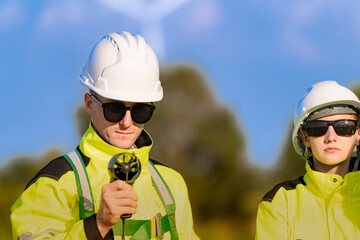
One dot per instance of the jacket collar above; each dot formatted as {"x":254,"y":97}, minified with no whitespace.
{"x":94,"y":147}
{"x":324,"y":184}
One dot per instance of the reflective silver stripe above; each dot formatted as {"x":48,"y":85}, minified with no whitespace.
{"x":30,"y":236}
{"x":160,"y":185}
{"x":88,"y":205}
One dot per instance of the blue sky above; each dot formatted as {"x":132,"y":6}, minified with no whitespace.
{"x":259,"y":57}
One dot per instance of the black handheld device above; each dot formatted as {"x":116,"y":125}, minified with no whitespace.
{"x":125,"y":167}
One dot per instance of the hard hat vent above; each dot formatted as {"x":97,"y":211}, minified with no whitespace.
{"x":113,"y":42}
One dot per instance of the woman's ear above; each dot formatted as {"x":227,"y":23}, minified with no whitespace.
{"x":89,"y":103}
{"x":304,"y":137}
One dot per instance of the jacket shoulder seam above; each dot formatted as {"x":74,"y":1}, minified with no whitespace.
{"x":158,"y":163}
{"x":287,"y":185}
{"x":56,"y":168}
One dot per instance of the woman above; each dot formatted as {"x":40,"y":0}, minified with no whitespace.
{"x":325,"y":202}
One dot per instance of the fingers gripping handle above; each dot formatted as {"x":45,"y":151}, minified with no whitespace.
{"x":125,"y":167}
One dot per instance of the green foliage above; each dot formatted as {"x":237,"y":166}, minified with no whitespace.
{"x":289,"y":164}
{"x":199,"y":137}
{"x":356,"y":90}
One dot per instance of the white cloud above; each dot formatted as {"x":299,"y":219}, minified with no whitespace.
{"x":357,"y":22}
{"x":143,"y":10}
{"x":206,"y":15}
{"x":299,"y":45}
{"x":11,"y":15}
{"x":306,"y":12}
{"x":298,"y":18}
{"x":62,"y":13}
{"x":304,"y":17}
{"x":203,"y":16}
{"x":150,"y":15}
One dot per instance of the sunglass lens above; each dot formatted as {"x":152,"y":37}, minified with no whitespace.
{"x":316,"y":128}
{"x":345,"y":127}
{"x":114,"y":112}
{"x":141,"y":113}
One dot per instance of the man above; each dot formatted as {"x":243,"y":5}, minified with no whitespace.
{"x":73,"y":197}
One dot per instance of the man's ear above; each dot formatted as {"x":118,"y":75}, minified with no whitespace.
{"x":304,"y":137}
{"x":89,"y":103}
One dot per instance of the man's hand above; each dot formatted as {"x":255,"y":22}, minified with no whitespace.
{"x":117,"y":198}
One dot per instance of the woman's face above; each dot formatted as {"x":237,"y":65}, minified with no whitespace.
{"x":331,"y":149}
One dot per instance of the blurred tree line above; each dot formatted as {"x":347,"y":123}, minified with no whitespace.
{"x":199,"y":137}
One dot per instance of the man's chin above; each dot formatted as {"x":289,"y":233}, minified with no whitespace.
{"x":123,"y":144}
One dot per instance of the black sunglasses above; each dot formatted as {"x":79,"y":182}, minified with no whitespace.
{"x":115,"y":111}
{"x":342,"y":127}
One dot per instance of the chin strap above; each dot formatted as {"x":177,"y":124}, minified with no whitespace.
{"x":307,"y":157}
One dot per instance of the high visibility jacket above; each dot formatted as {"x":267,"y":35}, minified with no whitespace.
{"x":49,"y":207}
{"x":317,"y":206}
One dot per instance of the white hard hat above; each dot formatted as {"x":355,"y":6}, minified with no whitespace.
{"x":318,"y":96}
{"x":123,"y":67}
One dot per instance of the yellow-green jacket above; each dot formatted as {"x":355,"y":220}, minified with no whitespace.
{"x":49,"y":207}
{"x":317,"y":206}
